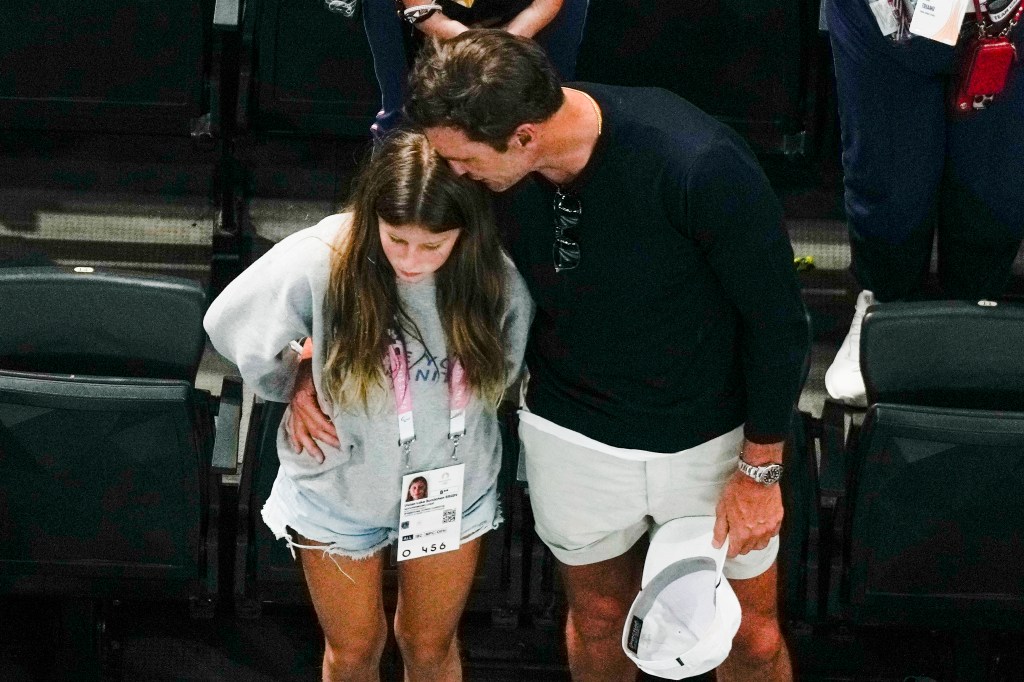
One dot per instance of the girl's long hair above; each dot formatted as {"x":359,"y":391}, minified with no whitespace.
{"x":407,"y":183}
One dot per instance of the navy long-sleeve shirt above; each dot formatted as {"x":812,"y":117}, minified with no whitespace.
{"x":684,"y":318}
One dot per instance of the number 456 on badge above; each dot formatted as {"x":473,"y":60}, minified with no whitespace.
{"x":430,"y":519}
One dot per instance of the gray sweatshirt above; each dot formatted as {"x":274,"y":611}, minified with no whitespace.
{"x":280,"y":298}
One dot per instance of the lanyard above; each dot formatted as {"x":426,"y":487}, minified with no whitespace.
{"x":1006,"y":31}
{"x":458,"y":397}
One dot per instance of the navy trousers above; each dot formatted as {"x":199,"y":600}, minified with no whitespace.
{"x":911,"y":170}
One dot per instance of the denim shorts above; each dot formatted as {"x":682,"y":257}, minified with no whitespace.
{"x":591,"y":506}
{"x":335,"y":531}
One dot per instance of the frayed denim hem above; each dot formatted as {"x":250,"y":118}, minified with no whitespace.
{"x":335,"y":548}
{"x":483,"y":528}
{"x":331,"y":550}
{"x":280,"y":528}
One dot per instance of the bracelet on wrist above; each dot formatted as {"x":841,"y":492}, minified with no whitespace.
{"x":418,"y":13}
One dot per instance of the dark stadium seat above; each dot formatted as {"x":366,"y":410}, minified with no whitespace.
{"x":107,"y":66}
{"x":115,"y":121}
{"x":110,"y":491}
{"x":264,"y":570}
{"x":305,"y":70}
{"x":945,"y":354}
{"x":929,"y":520}
{"x":265,"y":573}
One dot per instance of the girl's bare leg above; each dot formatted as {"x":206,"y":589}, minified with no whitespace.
{"x":347,"y":598}
{"x":432,"y":594}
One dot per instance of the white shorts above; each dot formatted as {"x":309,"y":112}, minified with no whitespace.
{"x":590,"y":505}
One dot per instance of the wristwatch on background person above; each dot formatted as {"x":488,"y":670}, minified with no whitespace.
{"x":417,"y":13}
{"x":765,"y":475}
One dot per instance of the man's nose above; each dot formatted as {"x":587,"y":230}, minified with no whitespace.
{"x":458,"y":168}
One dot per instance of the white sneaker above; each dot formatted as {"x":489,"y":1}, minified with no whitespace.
{"x":843,"y":379}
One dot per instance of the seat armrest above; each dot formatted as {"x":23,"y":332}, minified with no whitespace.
{"x":229,"y":418}
{"x":246,"y":601}
{"x":832,"y":467}
{"x":838,"y":448}
{"x":204,"y":604}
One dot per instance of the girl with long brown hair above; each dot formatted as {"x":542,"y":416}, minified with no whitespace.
{"x":418,"y":323}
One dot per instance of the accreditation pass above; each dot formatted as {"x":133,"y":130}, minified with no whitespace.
{"x":939,"y":19}
{"x":430,"y":520}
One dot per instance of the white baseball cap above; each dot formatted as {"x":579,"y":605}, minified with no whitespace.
{"x":683,"y":621}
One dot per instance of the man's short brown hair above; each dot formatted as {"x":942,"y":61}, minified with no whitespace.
{"x":484,"y":82}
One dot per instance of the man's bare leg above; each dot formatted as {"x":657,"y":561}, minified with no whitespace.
{"x":758,"y":652}
{"x":599,"y":598}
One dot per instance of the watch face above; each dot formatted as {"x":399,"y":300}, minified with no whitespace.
{"x":771,"y":475}
{"x":766,"y":475}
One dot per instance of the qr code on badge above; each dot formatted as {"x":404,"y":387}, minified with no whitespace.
{"x":448,"y":516}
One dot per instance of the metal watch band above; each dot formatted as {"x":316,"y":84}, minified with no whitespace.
{"x":765,"y":475}
{"x":418,"y":13}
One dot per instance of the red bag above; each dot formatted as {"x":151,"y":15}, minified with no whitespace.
{"x":983,"y":73}
{"x":984,"y":65}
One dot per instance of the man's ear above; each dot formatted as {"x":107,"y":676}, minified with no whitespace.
{"x":524,"y":134}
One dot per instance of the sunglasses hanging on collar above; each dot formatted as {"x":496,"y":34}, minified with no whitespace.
{"x":566,"y":248}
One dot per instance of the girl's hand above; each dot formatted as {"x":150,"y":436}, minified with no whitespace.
{"x":307,"y":421}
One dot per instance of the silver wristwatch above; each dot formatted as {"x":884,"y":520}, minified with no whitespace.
{"x":765,"y":475}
